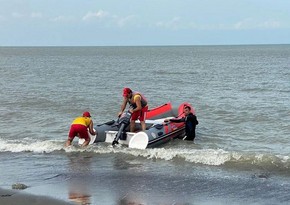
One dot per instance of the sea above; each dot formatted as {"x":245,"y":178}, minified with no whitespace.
{"x":241,"y":94}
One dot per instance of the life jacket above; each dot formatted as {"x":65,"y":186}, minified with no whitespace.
{"x":82,"y":121}
{"x":133,"y":104}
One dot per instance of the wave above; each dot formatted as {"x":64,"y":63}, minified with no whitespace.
{"x":30,"y":145}
{"x":212,"y":157}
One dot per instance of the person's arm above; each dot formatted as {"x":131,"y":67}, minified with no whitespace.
{"x":175,"y":120}
{"x":196,"y":121}
{"x":91,"y":128}
{"x":123,"y":106}
{"x":68,"y":142}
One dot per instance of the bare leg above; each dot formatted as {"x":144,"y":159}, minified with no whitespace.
{"x":86,"y":143}
{"x":143,"y":125}
{"x":132,"y":126}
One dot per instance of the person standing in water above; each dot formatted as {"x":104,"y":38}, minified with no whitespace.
{"x":190,"y":123}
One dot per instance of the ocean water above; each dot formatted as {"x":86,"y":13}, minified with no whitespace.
{"x":242,"y":99}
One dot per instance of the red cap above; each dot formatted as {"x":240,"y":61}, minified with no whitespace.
{"x":126,"y":92}
{"x":86,"y":114}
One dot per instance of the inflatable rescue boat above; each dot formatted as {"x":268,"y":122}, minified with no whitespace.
{"x":157,"y":131}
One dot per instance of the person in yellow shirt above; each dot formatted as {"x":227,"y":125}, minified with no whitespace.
{"x":79,"y":127}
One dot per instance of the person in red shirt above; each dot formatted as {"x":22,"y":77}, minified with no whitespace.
{"x":79,"y":127}
{"x":138,"y":107}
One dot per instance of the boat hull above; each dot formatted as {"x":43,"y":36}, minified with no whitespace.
{"x":163,"y":111}
{"x":160,"y":134}
{"x":157,"y":131}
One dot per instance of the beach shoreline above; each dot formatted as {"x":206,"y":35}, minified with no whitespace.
{"x":16,"y":197}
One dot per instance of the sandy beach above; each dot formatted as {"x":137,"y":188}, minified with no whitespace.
{"x":16,"y":197}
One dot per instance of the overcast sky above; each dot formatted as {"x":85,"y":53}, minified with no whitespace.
{"x":143,"y":22}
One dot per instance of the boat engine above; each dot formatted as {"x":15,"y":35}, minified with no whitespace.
{"x":123,"y":122}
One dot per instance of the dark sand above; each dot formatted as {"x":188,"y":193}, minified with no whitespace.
{"x":17,"y":197}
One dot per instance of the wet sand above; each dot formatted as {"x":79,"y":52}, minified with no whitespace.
{"x":17,"y":197}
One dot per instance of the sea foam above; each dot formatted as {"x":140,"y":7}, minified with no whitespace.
{"x":212,"y":157}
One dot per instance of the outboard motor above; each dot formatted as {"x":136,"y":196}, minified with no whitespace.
{"x":123,"y":123}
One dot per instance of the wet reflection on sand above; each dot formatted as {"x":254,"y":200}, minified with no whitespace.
{"x":79,"y":184}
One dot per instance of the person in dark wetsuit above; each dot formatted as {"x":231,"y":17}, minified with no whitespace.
{"x":190,"y":123}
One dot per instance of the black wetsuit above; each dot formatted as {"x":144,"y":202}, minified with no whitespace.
{"x":190,"y":125}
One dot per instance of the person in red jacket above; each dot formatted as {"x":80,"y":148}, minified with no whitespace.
{"x":79,"y":127}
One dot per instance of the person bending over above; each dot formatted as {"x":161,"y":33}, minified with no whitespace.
{"x":139,"y":107}
{"x":79,"y":127}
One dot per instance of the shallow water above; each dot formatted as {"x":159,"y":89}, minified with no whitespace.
{"x":119,"y":178}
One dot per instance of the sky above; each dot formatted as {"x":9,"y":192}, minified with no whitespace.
{"x":143,"y":22}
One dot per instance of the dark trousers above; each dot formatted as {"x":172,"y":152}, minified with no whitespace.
{"x":190,"y":135}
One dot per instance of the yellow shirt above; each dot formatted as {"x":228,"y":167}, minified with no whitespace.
{"x":82,"y":121}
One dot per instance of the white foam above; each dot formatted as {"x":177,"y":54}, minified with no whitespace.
{"x":214,"y":157}
{"x":29,"y":145}
{"x":205,"y":156}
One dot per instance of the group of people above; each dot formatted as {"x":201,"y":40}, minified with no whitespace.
{"x":138,"y":106}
